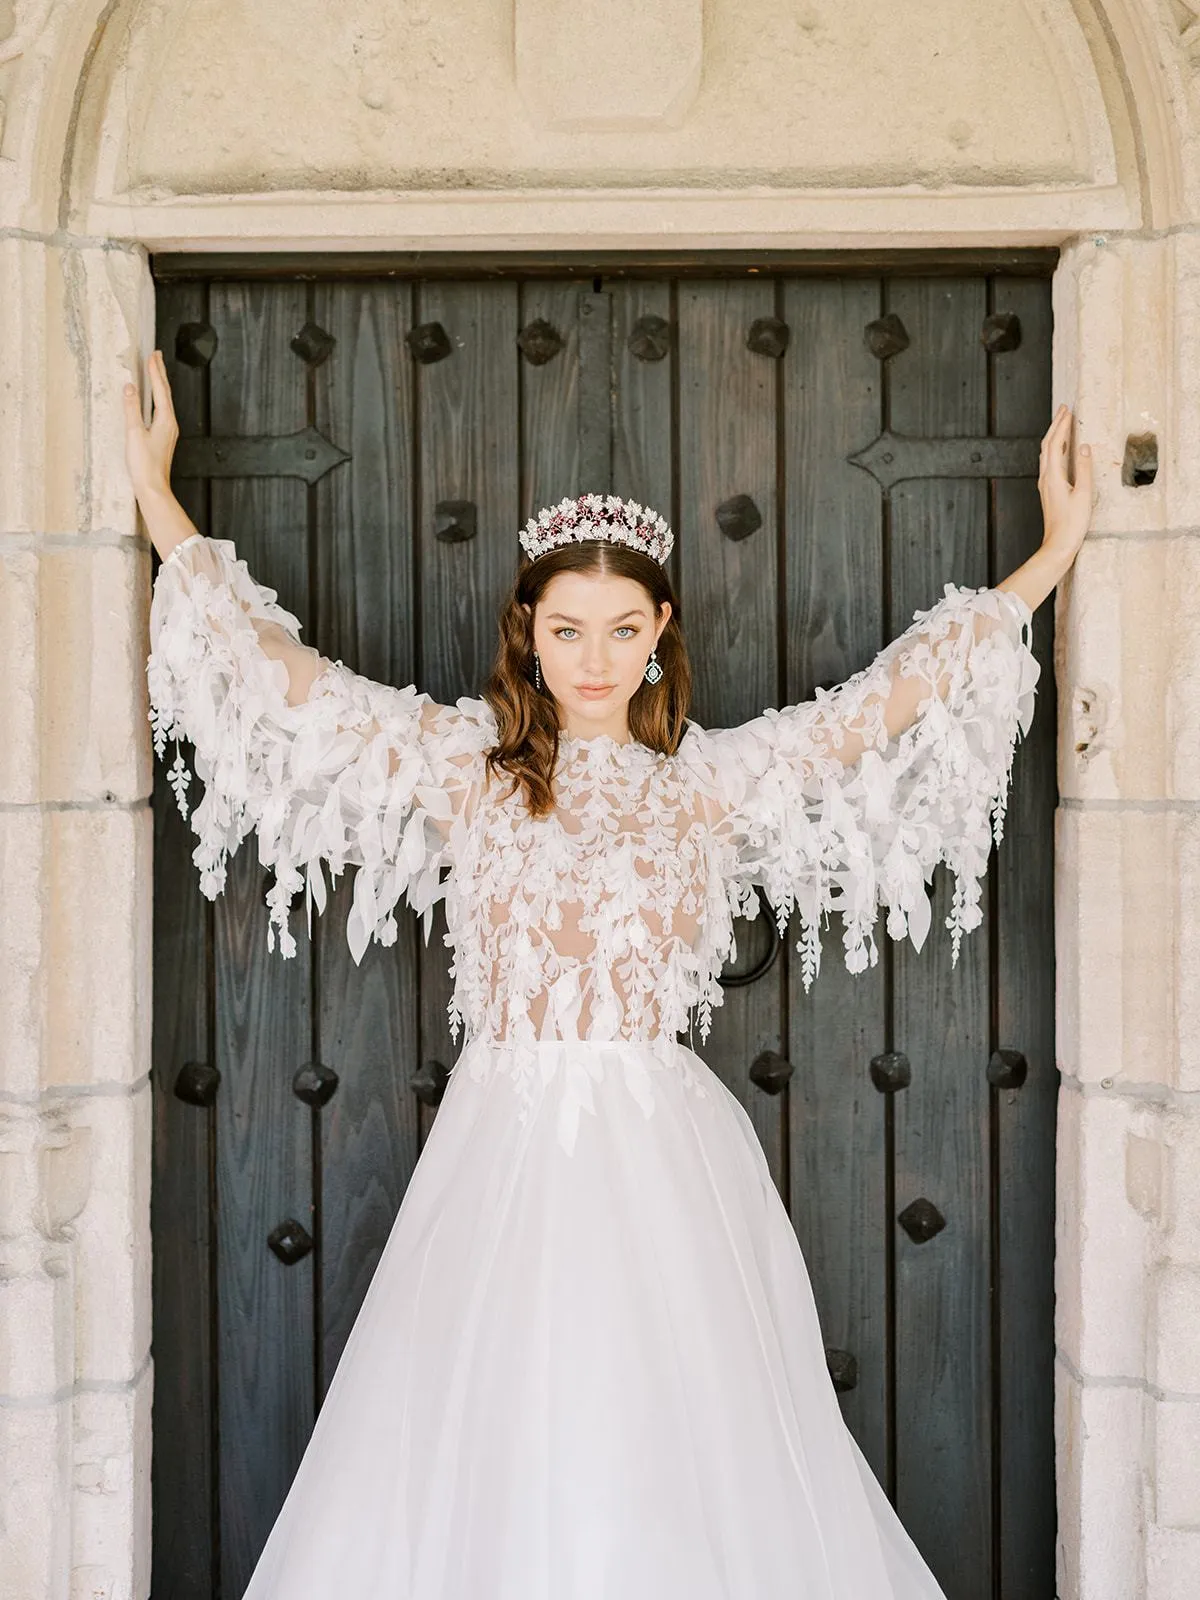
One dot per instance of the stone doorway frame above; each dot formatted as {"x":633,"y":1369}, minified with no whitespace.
{"x":76,"y":314}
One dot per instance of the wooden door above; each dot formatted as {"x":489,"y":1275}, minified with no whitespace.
{"x":831,"y":447}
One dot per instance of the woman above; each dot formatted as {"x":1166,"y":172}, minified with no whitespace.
{"x":589,"y":1363}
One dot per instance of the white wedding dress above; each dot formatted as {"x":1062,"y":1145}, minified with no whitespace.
{"x":589,"y":1365}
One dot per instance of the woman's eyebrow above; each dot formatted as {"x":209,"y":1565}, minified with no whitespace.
{"x":557,"y":616}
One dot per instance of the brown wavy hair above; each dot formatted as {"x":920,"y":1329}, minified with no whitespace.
{"x":527,"y":719}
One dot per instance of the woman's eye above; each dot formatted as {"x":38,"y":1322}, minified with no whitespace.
{"x":559,"y":632}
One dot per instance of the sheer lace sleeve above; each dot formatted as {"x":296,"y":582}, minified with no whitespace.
{"x":848,"y":801}
{"x":329,"y":767}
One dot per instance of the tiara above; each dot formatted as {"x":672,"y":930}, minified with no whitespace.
{"x":598,"y":516}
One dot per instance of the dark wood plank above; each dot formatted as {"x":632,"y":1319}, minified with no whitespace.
{"x":181,"y":1197}
{"x":939,"y":532}
{"x":263,"y":1025}
{"x":727,"y":447}
{"x":642,"y":454}
{"x":550,"y":401}
{"x":1025,"y":1117}
{"x":467,"y":422}
{"x":835,"y":608}
{"x":370,"y":1131}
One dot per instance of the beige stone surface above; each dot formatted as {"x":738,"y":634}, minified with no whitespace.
{"x":735,"y":124}
{"x":910,"y":94}
{"x":97,"y":898}
{"x":92,"y":639}
{"x":1101,"y":1517}
{"x":1120,"y":924}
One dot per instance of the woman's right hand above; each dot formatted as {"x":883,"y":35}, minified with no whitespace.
{"x":148,"y":450}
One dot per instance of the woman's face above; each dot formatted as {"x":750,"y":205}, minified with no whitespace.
{"x":594,"y":631}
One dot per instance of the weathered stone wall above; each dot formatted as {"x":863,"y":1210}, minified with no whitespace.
{"x":127,"y":124}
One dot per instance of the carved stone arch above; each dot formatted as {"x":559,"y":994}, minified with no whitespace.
{"x":68,"y":119}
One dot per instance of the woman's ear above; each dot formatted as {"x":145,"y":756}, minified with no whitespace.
{"x":664,"y":618}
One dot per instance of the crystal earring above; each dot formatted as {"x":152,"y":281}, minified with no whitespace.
{"x":654,"y":670}
{"x":537,"y":672}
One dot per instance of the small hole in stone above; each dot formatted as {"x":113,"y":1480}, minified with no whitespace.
{"x":1140,"y":465}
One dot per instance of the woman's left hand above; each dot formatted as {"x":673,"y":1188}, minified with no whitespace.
{"x":1066,"y":507}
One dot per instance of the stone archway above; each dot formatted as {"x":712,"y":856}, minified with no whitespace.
{"x":75,"y":308}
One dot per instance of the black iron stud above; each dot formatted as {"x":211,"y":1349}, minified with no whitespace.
{"x":1007,"y":1069}
{"x":195,"y":344}
{"x":739,"y":517}
{"x":650,"y":338}
{"x":429,"y":342}
{"x":539,"y":342}
{"x":843,"y":1368}
{"x":314,"y":1084}
{"x":429,"y":1085}
{"x":457,"y":521}
{"x":886,"y":336}
{"x":291,"y":1241}
{"x":891,"y":1071}
{"x":313,"y":344}
{"x":1000,"y":332}
{"x":768,"y":337}
{"x":771,"y":1072}
{"x":921,"y":1220}
{"x":197,"y":1083}
{"x":1140,"y":465}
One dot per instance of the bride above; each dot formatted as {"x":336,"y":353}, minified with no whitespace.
{"x":589,"y":1364}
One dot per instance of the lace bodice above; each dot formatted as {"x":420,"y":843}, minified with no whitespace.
{"x":612,"y":917}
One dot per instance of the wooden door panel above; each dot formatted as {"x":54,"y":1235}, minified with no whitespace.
{"x":395,"y":561}
{"x":728,"y":403}
{"x":368,"y":1134}
{"x":840,"y":1126}
{"x":938,"y":531}
{"x":262,"y":1017}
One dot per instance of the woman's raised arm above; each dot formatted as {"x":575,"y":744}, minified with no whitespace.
{"x":328,"y":767}
{"x":848,"y":801}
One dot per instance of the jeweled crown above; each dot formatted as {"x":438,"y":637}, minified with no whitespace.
{"x":598,"y":516}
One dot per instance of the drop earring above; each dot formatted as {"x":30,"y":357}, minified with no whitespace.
{"x":654,"y":670}
{"x":537,"y":672}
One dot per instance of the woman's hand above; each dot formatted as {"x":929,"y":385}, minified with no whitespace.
{"x":1066,"y":507}
{"x":148,"y":451}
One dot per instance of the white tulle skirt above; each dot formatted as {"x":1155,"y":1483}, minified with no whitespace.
{"x":589,"y":1365}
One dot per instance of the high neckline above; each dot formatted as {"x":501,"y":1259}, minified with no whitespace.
{"x":601,"y":746}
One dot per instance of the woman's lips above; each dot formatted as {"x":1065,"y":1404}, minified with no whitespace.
{"x":596,"y":693}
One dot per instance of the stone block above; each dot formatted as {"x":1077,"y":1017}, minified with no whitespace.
{"x":1116,"y":915}
{"x":117,"y":304}
{"x":112,"y":1232}
{"x":1180,"y":1241}
{"x":1186,"y":953}
{"x":1117,"y":671}
{"x":109,"y":1503}
{"x":1109,"y":372}
{"x":43,"y":468}
{"x":1172,"y":1562}
{"x":1176,"y":1474}
{"x":1183,"y":445}
{"x":35,"y":1454}
{"x":1181,"y":627}
{"x":1102,"y":1242}
{"x":1175,"y":1348}
{"x":18,"y":672}
{"x":97,"y":893}
{"x":93,"y":639}
{"x":1099,"y":1475}
{"x":21,"y":846}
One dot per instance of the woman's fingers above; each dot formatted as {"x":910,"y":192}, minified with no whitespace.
{"x":160,"y":388}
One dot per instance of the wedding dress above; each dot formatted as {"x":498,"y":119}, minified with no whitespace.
{"x":589,"y":1364}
